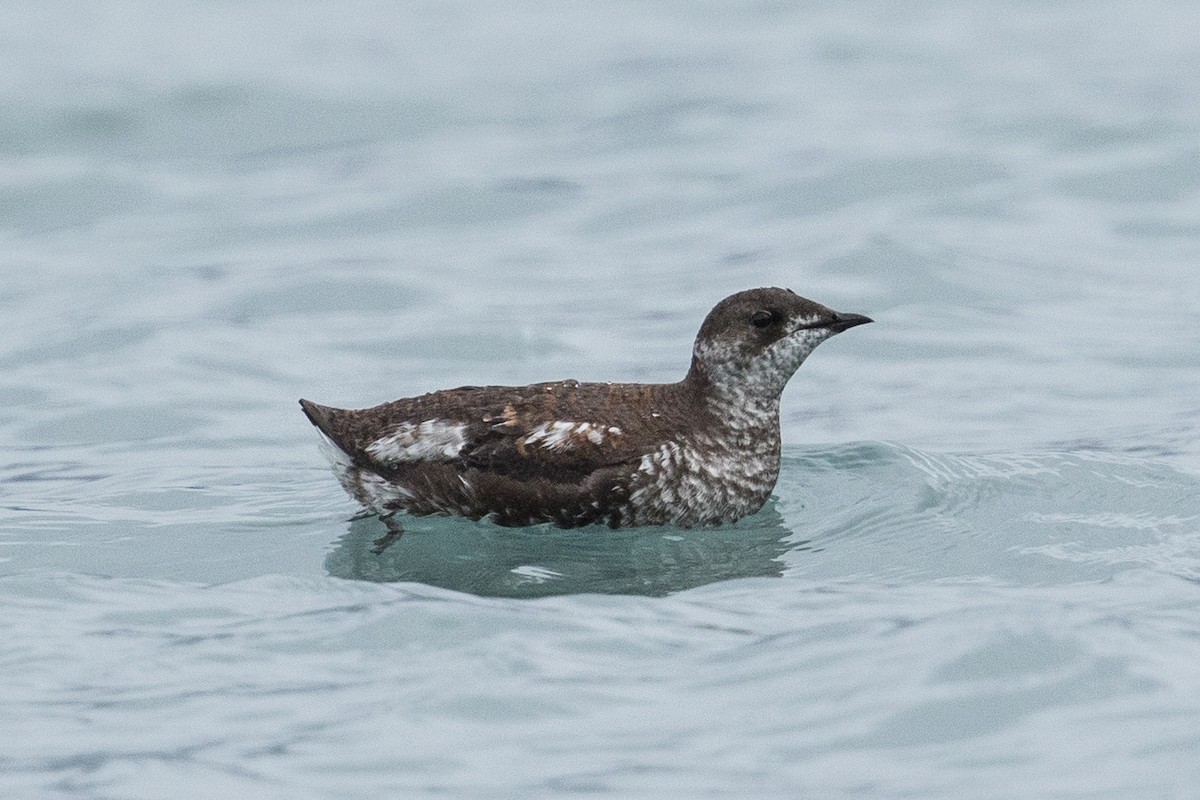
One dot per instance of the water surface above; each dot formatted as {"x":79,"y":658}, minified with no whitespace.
{"x":980,"y":572}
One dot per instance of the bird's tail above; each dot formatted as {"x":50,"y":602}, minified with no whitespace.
{"x":319,"y":415}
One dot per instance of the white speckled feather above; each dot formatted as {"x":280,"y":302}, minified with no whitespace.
{"x":431,"y":440}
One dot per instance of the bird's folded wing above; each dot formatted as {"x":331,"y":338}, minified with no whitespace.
{"x":515,"y":438}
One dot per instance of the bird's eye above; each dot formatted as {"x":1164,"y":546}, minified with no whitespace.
{"x":762,"y":319}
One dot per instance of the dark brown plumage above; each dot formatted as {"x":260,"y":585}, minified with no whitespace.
{"x":701,"y":451}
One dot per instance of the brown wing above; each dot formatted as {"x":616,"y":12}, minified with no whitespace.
{"x":559,"y":432}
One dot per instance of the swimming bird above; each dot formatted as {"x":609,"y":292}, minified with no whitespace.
{"x":701,"y":451}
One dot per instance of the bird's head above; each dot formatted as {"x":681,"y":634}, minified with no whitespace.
{"x":752,"y":342}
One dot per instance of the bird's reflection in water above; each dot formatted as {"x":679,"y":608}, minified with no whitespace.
{"x":488,"y":560}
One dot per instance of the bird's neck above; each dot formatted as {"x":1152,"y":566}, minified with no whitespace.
{"x":733,"y":406}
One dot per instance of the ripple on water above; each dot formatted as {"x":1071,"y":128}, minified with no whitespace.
{"x":1028,"y":518}
{"x":265,"y":685}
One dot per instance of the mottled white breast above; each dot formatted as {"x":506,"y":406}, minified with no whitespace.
{"x":704,"y":479}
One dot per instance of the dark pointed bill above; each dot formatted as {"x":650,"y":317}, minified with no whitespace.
{"x":842,"y":322}
{"x":838,"y":322}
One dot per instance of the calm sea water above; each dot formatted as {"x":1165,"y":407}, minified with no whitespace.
{"x":980,"y":574}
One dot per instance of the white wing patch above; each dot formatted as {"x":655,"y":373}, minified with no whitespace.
{"x":431,"y":440}
{"x":559,"y":436}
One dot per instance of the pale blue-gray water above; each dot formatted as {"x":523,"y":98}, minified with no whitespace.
{"x":979,"y":576}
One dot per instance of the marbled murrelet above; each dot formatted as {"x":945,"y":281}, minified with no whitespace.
{"x":702,"y":451}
